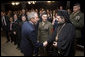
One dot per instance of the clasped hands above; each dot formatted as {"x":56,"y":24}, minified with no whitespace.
{"x":46,"y":43}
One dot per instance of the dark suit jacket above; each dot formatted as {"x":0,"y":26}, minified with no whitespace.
{"x":29,"y":39}
{"x":16,"y":27}
{"x":7,"y":22}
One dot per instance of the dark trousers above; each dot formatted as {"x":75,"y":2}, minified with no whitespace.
{"x":15,"y":41}
{"x":5,"y":29}
{"x":27,"y":52}
{"x":11,"y":36}
{"x":18,"y":40}
{"x":7,"y":36}
{"x":36,"y":50}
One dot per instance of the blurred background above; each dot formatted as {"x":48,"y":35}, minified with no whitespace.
{"x":8,"y":49}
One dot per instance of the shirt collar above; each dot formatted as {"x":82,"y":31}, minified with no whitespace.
{"x":31,"y":22}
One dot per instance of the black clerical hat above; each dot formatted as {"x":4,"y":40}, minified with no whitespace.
{"x":65,"y":14}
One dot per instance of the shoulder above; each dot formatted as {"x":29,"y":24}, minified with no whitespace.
{"x":49,"y":23}
{"x":25,"y":24}
{"x":81,"y":13}
{"x":40,"y":24}
{"x":70,"y":25}
{"x":71,"y":14}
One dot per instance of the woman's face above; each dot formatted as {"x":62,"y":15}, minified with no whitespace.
{"x":23,"y":18}
{"x":44,"y":18}
{"x":11,"y":19}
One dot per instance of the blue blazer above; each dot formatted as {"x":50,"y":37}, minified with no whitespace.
{"x":29,"y":39}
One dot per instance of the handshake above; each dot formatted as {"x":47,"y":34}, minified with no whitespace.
{"x":46,"y":43}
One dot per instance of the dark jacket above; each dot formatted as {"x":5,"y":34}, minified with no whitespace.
{"x":29,"y":39}
{"x":44,"y":31}
{"x":7,"y":23}
{"x":77,"y":20}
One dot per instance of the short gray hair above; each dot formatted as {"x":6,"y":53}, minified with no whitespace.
{"x":31,"y":15}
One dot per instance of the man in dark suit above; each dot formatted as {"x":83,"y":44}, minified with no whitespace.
{"x":16,"y":30}
{"x":4,"y":24}
{"x":29,"y":38}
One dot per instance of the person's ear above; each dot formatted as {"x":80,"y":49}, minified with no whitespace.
{"x":79,"y":8}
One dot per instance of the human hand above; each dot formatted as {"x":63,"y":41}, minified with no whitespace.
{"x":55,"y":44}
{"x":14,"y":33}
{"x":38,"y":41}
{"x":45,"y":43}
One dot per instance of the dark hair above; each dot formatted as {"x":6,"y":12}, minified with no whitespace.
{"x":23,"y":16}
{"x":64,"y":14}
{"x":77,"y":4}
{"x":11,"y":17}
{"x":44,"y":13}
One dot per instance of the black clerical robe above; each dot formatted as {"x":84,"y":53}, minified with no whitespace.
{"x":65,"y":43}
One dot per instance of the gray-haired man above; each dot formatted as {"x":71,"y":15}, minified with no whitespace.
{"x":29,"y":38}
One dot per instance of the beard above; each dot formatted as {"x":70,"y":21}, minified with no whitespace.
{"x":60,"y":23}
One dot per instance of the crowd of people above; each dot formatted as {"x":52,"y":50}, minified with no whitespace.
{"x":44,"y":32}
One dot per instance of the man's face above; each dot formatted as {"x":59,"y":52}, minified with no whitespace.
{"x":61,"y":8}
{"x":2,"y":13}
{"x":11,"y":19}
{"x":76,"y":8}
{"x":23,"y":11}
{"x":60,"y":20}
{"x":36,"y":19}
{"x":44,"y":18}
{"x":15,"y":16}
{"x":48,"y":11}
